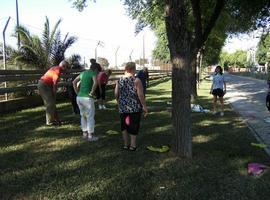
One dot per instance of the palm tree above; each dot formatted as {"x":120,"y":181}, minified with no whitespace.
{"x":45,"y":51}
{"x":74,"y":61}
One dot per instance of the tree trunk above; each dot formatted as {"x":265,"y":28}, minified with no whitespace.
{"x":194,"y":78}
{"x":181,"y":112}
{"x":179,"y":41}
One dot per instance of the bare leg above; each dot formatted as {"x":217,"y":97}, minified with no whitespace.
{"x":221,"y":103}
{"x":215,"y":104}
{"x":133,"y":140}
{"x":99,"y":102}
{"x":125,"y":137}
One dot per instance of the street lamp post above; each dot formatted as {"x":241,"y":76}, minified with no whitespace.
{"x":116,"y":56}
{"x":130,"y":58}
{"x":4,"y":51}
{"x":17,"y":16}
{"x":100,"y":43}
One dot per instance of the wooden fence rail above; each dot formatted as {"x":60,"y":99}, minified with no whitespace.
{"x":28,"y":78}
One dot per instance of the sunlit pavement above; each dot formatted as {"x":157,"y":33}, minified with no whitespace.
{"x":247,"y":97}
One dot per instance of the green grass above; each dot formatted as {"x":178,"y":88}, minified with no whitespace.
{"x":37,"y":162}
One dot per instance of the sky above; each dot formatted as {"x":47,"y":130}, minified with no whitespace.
{"x":105,"y":21}
{"x":242,"y":42}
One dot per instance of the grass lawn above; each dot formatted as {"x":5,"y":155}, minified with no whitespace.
{"x":37,"y":162}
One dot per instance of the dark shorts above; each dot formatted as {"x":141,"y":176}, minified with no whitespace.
{"x":130,"y":122}
{"x":218,"y":92}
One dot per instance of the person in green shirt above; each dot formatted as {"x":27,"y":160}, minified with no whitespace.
{"x":85,"y":85}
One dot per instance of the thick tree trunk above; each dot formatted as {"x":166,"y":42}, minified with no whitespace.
{"x":179,"y":41}
{"x":181,"y":112}
{"x":182,"y":47}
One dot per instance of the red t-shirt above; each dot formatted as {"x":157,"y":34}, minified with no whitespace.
{"x":102,"y":77}
{"x":51,"y":77}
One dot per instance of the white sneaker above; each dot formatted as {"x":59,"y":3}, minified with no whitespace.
{"x":85,"y":134}
{"x":221,"y":114}
{"x":104,"y":107}
{"x":92,"y":138}
{"x":100,"y":107}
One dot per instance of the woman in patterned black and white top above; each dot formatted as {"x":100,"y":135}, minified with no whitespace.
{"x":131,"y":103}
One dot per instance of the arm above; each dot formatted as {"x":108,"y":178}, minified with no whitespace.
{"x":139,"y":88}
{"x":116,"y":91}
{"x":94,"y":87}
{"x":211,"y":89}
{"x":55,"y":81}
{"x":75,"y":84}
{"x":224,"y":87}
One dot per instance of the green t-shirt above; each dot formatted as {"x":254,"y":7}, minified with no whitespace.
{"x":86,"y":83}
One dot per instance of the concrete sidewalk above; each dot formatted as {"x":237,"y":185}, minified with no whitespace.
{"x":247,"y":97}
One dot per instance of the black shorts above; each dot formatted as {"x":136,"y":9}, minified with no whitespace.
{"x":218,"y":92}
{"x":130,"y":122}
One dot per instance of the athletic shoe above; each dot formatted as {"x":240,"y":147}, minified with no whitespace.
{"x":104,"y":107}
{"x":221,"y":114}
{"x":100,"y":107}
{"x":85,"y":134}
{"x":92,"y":138}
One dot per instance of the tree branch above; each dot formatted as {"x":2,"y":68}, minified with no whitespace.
{"x":218,"y":8}
{"x":198,"y":20}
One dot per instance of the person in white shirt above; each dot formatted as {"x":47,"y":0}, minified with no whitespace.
{"x":218,"y":89}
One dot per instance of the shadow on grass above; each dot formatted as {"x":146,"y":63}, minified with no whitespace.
{"x":38,"y":162}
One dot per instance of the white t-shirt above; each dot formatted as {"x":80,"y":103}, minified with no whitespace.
{"x":218,"y":81}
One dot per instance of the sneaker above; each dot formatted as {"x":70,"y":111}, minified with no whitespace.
{"x":221,"y":114}
{"x":85,"y":134}
{"x":92,"y":138}
{"x":104,"y":107}
{"x":100,"y":107}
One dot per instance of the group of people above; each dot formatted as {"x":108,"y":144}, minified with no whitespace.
{"x":90,"y":84}
{"x":129,"y":92}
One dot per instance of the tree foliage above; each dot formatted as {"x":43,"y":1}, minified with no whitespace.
{"x":236,"y":59}
{"x":188,"y":24}
{"x":74,"y":61}
{"x":263,"y":50}
{"x":42,"y":52}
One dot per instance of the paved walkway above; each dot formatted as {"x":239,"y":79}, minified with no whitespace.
{"x":247,"y":97}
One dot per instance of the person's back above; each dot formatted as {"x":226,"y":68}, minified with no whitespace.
{"x":86,"y":83}
{"x":51,"y":76}
{"x":142,"y":76}
{"x":128,"y":98}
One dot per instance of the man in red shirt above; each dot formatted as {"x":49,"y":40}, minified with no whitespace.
{"x":47,"y":86}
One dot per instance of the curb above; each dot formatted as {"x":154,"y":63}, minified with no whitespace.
{"x":253,"y":130}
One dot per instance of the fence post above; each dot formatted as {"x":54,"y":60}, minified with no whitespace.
{"x":4,"y":52}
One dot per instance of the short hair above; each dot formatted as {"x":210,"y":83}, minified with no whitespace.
{"x":94,"y":67}
{"x":130,"y":66}
{"x":64,"y":64}
{"x":108,"y":71}
{"x":145,"y":69}
{"x":92,"y":60}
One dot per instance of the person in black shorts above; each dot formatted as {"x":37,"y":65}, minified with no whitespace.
{"x":131,"y":103}
{"x":218,"y":89}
